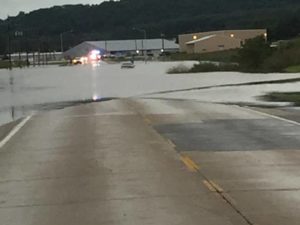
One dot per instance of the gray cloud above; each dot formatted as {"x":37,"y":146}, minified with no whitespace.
{"x":13,"y":7}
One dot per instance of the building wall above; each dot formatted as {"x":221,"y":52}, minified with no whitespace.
{"x":217,"y":43}
{"x":242,"y":35}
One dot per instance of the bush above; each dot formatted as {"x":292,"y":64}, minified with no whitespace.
{"x":203,"y":67}
{"x":220,"y":56}
{"x":293,"y":97}
{"x":178,"y":69}
{"x":282,"y":59}
{"x":212,"y":67}
{"x":257,"y":56}
{"x":252,"y":56}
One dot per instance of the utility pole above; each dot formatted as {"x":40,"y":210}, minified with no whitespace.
{"x":61,"y":43}
{"x":9,"y":44}
{"x":105,"y":46}
{"x":143,"y":44}
{"x":162,"y":42}
{"x":19,"y":34}
{"x":62,"y":40}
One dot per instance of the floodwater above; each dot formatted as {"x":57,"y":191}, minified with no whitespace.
{"x":25,"y":91}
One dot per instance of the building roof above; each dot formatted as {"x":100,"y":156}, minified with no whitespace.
{"x":226,"y":31}
{"x":121,"y":46}
{"x":131,"y":45}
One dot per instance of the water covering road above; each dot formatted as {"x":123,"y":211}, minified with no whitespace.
{"x":119,"y":162}
{"x":25,"y":90}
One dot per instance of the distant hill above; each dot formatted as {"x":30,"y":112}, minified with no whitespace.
{"x":115,"y":20}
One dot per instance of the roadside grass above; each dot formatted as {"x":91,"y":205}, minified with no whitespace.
{"x":59,"y":63}
{"x":4,"y":64}
{"x":293,"y":97}
{"x":203,"y":67}
{"x":181,"y":68}
{"x":211,"y":67}
{"x":221,"y":56}
{"x":293,"y":69}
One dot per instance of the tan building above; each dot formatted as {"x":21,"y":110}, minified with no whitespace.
{"x":217,"y":40}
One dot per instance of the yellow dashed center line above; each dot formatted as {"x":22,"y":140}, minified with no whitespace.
{"x":216,"y":186}
{"x":189,"y":163}
{"x":209,"y":186}
{"x":147,"y":120}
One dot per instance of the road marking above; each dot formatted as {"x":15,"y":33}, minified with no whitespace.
{"x":171,"y":143}
{"x":147,"y":120}
{"x":209,"y":186}
{"x":189,"y":163}
{"x":271,"y":116}
{"x":14,"y":131}
{"x":216,"y":186}
{"x":213,"y":186}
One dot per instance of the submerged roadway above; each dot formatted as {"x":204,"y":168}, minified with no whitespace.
{"x":151,"y":162}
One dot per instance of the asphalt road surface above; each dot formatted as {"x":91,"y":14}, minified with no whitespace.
{"x":143,"y":161}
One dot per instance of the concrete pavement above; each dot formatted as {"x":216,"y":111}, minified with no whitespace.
{"x":148,"y":161}
{"x":101,"y":164}
{"x":249,"y":158}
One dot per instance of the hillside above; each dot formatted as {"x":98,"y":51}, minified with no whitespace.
{"x":114,"y":20}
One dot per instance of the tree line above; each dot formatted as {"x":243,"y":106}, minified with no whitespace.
{"x":114,"y":20}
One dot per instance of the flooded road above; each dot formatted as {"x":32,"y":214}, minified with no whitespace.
{"x":23,"y":91}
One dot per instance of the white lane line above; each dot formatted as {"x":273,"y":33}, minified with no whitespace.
{"x":271,"y":116}
{"x":14,"y":131}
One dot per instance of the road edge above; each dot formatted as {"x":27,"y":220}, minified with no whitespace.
{"x":9,"y":130}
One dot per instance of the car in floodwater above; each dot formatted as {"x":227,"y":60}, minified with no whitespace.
{"x":127,"y":65}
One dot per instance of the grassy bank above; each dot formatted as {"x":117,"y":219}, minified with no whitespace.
{"x":293,"y":69}
{"x":4,"y":64}
{"x":293,"y":97}
{"x":227,"y":56}
{"x":203,"y":67}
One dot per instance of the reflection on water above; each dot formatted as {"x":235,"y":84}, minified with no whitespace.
{"x":25,"y":91}
{"x":10,"y":112}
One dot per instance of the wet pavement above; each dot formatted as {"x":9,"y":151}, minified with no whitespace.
{"x":138,"y":160}
{"x":233,"y":135}
{"x":115,"y":162}
{"x":101,"y":164}
{"x":290,"y":113}
{"x":251,"y":161}
{"x":243,"y":95}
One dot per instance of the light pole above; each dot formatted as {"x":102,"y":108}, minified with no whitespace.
{"x":145,"y":37}
{"x":19,"y":34}
{"x":162,"y":42}
{"x":9,"y":46}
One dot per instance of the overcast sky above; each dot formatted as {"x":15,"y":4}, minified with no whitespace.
{"x":13,"y":7}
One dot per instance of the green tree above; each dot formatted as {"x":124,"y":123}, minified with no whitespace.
{"x":115,"y":19}
{"x":253,"y":54}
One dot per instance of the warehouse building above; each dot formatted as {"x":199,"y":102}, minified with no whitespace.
{"x":123,"y":47}
{"x":217,"y":40}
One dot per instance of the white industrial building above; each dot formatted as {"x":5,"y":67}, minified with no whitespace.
{"x":123,"y":47}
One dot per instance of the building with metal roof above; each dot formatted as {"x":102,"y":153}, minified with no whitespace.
{"x":123,"y":47}
{"x":213,"y":41}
